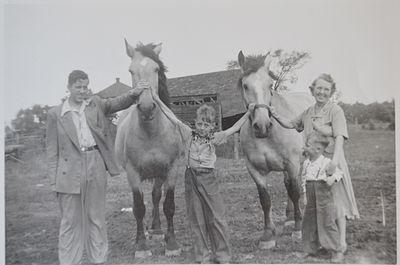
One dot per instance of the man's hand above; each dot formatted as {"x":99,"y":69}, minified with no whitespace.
{"x":140,"y":86}
{"x":251,"y":107}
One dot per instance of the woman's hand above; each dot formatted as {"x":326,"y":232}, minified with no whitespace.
{"x":331,"y":168}
{"x":219,"y":138}
{"x":273,"y":112}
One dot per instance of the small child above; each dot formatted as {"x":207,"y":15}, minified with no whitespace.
{"x":204,"y":203}
{"x":319,"y":225}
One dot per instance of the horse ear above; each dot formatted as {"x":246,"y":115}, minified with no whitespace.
{"x":267,"y":61}
{"x":241,"y":59}
{"x":158,"y":48}
{"x":130,"y":51}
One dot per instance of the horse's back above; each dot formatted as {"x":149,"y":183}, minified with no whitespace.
{"x":298,"y":101}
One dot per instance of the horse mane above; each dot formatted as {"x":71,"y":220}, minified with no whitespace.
{"x":148,"y":51}
{"x":251,"y":65}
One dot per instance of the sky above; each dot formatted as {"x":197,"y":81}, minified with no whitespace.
{"x":44,"y":41}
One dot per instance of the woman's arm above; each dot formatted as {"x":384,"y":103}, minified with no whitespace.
{"x":283,"y":121}
{"x":336,"y":154}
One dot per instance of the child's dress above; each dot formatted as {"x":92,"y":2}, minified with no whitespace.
{"x":319,"y":226}
{"x":204,"y":202}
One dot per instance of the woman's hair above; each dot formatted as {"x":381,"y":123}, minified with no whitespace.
{"x":326,"y":77}
{"x":206,"y":113}
{"x":318,"y":138}
{"x":75,"y":76}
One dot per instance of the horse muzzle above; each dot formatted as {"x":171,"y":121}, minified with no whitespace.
{"x":260,"y":121}
{"x":146,"y":111}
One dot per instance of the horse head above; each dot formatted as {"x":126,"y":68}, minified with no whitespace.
{"x":256,"y":87}
{"x":146,"y":66}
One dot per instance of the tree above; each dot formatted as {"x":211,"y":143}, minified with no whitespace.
{"x":284,"y":68}
{"x":31,"y":119}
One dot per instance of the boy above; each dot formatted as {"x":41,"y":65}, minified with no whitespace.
{"x":203,"y":199}
{"x":319,"y":226}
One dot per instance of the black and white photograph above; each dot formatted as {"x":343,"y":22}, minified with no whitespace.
{"x":186,"y":132}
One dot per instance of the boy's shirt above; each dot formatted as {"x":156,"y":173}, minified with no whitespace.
{"x":316,"y":170}
{"x":201,"y":152}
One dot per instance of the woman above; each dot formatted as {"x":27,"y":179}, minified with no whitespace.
{"x":326,"y":114}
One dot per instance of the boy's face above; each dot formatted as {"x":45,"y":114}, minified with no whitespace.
{"x":313,"y":149}
{"x":203,"y":128}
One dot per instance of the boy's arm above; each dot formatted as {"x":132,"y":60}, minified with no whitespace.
{"x":170,"y":115}
{"x":220,"y":137}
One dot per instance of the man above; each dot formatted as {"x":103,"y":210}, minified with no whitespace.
{"x":80,"y":149}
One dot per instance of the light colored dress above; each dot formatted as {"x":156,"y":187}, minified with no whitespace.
{"x":332,"y":115}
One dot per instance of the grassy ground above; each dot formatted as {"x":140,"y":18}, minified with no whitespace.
{"x":32,"y":211}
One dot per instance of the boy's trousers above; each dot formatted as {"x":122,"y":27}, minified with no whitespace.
{"x":83,"y":222}
{"x":319,"y":226}
{"x":206,"y":211}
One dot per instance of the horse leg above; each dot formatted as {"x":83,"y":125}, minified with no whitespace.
{"x":156,"y":197}
{"x":171,"y":248}
{"x":293,"y":189}
{"x":139,"y":211}
{"x":267,"y":240}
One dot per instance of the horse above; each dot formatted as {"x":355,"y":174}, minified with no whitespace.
{"x":267,"y":146}
{"x":149,"y":148}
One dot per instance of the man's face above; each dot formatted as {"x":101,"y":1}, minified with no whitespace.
{"x":79,"y":91}
{"x":203,"y":128}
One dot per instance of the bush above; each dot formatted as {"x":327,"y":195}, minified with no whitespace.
{"x":371,"y":126}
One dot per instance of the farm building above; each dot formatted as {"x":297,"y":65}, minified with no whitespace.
{"x":189,"y":92}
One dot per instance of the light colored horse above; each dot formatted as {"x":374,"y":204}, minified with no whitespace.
{"x":268,"y":146}
{"x":148,"y":146}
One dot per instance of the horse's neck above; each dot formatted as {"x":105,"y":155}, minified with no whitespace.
{"x":281,"y":106}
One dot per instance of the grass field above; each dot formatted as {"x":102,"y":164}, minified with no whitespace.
{"x":32,"y":214}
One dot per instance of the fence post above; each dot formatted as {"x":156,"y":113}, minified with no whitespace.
{"x":236,"y":146}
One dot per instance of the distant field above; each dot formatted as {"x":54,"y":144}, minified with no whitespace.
{"x":32,"y":212}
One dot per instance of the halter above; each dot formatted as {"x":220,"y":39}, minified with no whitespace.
{"x":262,"y":106}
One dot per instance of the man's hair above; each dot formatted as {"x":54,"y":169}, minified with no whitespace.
{"x":318,"y":138}
{"x":206,"y":113}
{"x":75,"y":76}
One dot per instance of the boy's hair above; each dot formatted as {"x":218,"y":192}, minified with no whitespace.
{"x":318,"y":138}
{"x":76,"y":75}
{"x":206,"y":113}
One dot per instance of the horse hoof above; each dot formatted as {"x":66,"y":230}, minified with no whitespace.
{"x":296,"y":236}
{"x":173,"y":252}
{"x":289,"y":223}
{"x":141,"y":254}
{"x":267,"y":244}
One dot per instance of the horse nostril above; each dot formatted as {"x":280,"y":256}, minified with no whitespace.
{"x":256,"y":127}
{"x":154,"y":106}
{"x":138,"y":106}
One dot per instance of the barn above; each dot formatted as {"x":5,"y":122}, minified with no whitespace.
{"x":189,"y":92}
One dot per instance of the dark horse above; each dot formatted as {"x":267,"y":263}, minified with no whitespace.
{"x":148,"y":146}
{"x":267,"y":146}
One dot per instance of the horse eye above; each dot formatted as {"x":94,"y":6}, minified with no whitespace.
{"x":156,"y":70}
{"x":245,"y":87}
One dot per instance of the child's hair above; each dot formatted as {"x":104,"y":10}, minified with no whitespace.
{"x":318,"y":138}
{"x":206,"y":113}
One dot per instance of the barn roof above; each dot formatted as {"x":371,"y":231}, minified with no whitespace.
{"x":222,"y":82}
{"x":114,"y":90}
